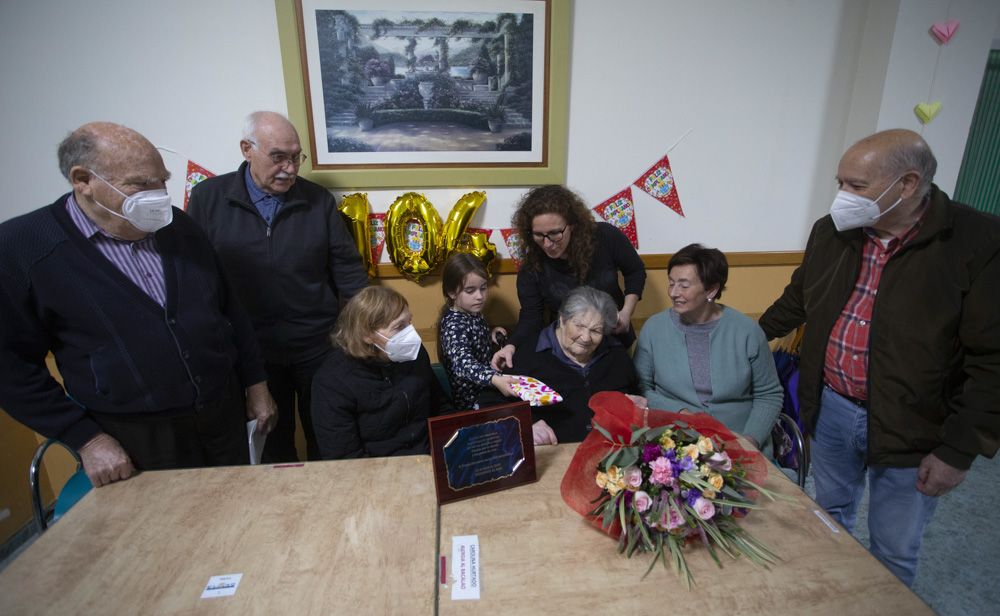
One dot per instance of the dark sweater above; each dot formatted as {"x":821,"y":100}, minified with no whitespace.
{"x":371,"y":408}
{"x":292,"y":276}
{"x":541,"y":292}
{"x":570,"y":419}
{"x":117,"y":350}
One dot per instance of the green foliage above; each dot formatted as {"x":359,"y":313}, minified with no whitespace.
{"x":465,"y":118}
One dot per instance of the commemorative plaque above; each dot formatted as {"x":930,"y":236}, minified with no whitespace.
{"x":482,"y":451}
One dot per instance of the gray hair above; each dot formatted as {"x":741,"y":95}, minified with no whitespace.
{"x":79,"y":149}
{"x":914,"y":156}
{"x":585,"y":299}
{"x":252,"y":122}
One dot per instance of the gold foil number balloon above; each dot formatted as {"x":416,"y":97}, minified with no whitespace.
{"x":458,"y":219}
{"x":354,"y":208}
{"x":413,"y":235}
{"x":478,"y":245}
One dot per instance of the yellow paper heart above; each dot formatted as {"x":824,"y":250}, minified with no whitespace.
{"x":926,"y":111}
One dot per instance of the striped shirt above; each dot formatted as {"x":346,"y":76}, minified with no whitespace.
{"x":845,"y":368}
{"x":139,"y":261}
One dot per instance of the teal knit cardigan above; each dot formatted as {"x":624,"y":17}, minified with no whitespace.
{"x":746,"y":393}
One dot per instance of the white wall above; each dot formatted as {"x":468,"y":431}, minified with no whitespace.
{"x":920,"y":70}
{"x":773,"y":90}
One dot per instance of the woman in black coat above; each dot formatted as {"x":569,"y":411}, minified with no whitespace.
{"x":373,"y":394}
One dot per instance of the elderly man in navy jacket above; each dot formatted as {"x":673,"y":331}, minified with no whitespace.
{"x":159,"y":360}
{"x":291,"y":259}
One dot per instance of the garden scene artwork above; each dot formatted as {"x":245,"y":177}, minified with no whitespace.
{"x":431,"y":86}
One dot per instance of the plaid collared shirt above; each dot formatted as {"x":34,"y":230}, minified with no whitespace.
{"x":845,"y":368}
{"x":139,"y":261}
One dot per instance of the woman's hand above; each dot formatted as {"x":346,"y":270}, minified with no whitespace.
{"x":543,"y":434}
{"x":625,"y":314}
{"x":499,"y":336}
{"x":503,"y":359}
{"x":639,"y":401}
{"x":504,"y":384}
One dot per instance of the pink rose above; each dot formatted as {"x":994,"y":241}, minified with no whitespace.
{"x":704,"y":508}
{"x":662,"y":473}
{"x":641,"y":501}
{"x":673,"y":519}
{"x":633,"y":477}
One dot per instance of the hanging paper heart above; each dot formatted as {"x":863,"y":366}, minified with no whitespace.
{"x":195,"y":175}
{"x":514,"y":246}
{"x":944,"y":30}
{"x":658,"y":181}
{"x":926,"y":111}
{"x":620,"y":211}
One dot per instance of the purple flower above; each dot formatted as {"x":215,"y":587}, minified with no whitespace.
{"x":686,"y":463}
{"x":651,"y":452}
{"x":671,"y":454}
{"x":692,"y":496}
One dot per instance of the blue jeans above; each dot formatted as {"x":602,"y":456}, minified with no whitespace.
{"x":897,"y":511}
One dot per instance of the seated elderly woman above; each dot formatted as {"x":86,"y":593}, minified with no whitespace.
{"x":706,"y":357}
{"x":577,"y":356}
{"x":373,"y":394}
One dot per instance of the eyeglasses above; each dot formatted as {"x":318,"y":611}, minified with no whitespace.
{"x":552,"y":236}
{"x":280,"y":159}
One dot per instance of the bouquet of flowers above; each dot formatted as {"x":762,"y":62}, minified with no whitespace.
{"x":663,"y":480}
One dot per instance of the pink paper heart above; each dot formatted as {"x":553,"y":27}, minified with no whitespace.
{"x":944,"y":30}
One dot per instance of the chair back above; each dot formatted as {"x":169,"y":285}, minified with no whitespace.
{"x":73,"y":490}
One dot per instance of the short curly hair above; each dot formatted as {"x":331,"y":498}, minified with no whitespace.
{"x":555,"y":199}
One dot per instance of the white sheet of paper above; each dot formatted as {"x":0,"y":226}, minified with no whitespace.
{"x":256,"y":441}
{"x":221,"y":585}
{"x":465,"y":567}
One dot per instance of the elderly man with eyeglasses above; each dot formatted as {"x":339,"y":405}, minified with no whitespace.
{"x":291,"y":259}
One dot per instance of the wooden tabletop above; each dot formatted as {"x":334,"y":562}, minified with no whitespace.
{"x":355,"y":536}
{"x":539,"y":557}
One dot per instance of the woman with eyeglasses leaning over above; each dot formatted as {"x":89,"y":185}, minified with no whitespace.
{"x":564,"y":248}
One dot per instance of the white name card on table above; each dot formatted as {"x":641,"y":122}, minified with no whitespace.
{"x":465,"y":567}
{"x":221,"y":585}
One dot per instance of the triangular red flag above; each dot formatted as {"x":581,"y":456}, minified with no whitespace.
{"x":195,"y":174}
{"x":486,"y":232}
{"x":658,"y":181}
{"x":376,"y":223}
{"x":514,"y":246}
{"x":619,"y":210}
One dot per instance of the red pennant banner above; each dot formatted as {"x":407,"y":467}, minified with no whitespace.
{"x":376,"y":223}
{"x":514,"y":246}
{"x":658,"y":181}
{"x":619,"y":210}
{"x":195,"y":174}
{"x":486,"y":232}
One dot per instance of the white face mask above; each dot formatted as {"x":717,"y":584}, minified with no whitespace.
{"x":850,"y":211}
{"x":403,"y":346}
{"x":147,"y":210}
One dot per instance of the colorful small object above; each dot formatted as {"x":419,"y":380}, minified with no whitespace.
{"x":535,"y":392}
{"x":514,"y":246}
{"x":658,"y":181}
{"x":376,"y":224}
{"x":927,"y":111}
{"x":619,"y":210}
{"x":194,"y":176}
{"x":944,"y":30}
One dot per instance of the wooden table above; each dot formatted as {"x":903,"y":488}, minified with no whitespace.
{"x":539,"y":557}
{"x":352,"y":537}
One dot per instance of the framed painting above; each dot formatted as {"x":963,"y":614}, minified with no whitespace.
{"x":454,"y":93}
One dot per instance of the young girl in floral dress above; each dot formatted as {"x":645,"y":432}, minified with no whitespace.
{"x":464,"y":336}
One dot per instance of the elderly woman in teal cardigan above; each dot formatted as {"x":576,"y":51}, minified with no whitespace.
{"x":705,"y":357}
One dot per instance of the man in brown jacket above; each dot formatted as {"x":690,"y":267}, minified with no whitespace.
{"x":900,"y":362}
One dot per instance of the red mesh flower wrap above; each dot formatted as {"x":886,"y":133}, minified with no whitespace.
{"x":618,"y":415}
